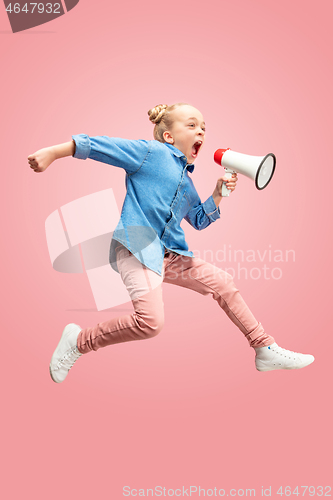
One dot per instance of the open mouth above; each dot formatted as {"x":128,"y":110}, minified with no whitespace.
{"x":195,"y":148}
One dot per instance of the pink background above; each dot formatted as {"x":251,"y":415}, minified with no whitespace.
{"x":188,"y":407}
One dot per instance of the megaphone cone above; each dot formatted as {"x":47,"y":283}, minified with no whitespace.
{"x":258,"y":168}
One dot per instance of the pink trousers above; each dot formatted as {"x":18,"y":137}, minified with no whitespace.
{"x":145,"y":290}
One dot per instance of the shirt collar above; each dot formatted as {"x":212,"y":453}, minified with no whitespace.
{"x":180,"y":154}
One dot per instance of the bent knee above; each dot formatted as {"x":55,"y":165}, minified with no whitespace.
{"x":150,"y":327}
{"x":155,"y":328}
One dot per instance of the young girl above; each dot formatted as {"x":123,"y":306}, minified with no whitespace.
{"x":148,"y":245}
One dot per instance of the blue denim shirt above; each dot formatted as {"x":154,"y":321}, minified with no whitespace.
{"x":160,"y":194}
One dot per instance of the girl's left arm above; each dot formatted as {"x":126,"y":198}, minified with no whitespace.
{"x":231,"y":185}
{"x":203,"y":214}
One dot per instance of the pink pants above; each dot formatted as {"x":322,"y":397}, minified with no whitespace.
{"x":145,"y":289}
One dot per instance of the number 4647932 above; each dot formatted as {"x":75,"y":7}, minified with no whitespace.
{"x":306,"y":491}
{"x":49,"y":8}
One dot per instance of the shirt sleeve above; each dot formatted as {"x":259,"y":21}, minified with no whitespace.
{"x":123,"y":153}
{"x":202,"y":215}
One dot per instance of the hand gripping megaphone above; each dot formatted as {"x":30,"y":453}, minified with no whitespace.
{"x":258,"y":168}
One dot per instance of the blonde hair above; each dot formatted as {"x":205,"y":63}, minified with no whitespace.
{"x":161,"y":115}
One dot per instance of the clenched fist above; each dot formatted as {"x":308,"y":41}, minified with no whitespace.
{"x":40,"y":160}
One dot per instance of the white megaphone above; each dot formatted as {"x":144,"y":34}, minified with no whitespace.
{"x":258,"y":168}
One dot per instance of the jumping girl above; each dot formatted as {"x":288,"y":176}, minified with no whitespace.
{"x":148,"y":245}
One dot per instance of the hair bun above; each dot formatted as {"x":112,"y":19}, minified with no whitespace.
{"x":156,"y":113}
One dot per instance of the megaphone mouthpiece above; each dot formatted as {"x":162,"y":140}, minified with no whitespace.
{"x":218,"y":155}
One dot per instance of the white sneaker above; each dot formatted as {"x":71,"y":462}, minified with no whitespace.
{"x":65,"y":354}
{"x":274,"y":357}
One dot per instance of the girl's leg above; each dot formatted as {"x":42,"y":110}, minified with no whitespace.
{"x":207,"y":279}
{"x":145,"y":289}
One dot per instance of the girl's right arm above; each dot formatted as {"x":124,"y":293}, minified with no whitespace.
{"x":40,"y":160}
{"x":123,"y":153}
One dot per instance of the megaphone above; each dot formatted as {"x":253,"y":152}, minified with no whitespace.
{"x":258,"y":168}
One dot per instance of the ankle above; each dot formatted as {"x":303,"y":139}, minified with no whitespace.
{"x":263,"y":340}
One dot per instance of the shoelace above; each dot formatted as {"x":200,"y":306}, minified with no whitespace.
{"x":69,"y":358}
{"x":284,"y":352}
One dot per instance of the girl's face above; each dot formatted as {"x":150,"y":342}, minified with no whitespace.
{"x":187,"y":132}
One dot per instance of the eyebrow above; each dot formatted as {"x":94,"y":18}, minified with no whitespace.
{"x":194,"y":118}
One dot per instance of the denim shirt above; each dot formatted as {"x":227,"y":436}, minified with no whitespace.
{"x":160,"y":194}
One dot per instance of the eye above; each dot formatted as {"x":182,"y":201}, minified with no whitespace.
{"x":191,"y":125}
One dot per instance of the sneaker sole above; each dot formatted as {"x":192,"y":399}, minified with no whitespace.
{"x":54,"y":380}
{"x":269,"y":369}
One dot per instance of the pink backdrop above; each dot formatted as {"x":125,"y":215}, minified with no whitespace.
{"x":188,"y":407}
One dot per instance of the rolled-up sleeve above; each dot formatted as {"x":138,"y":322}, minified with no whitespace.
{"x":202,"y":215}
{"x":123,"y":153}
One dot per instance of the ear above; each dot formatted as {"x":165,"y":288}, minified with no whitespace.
{"x":168,"y":137}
